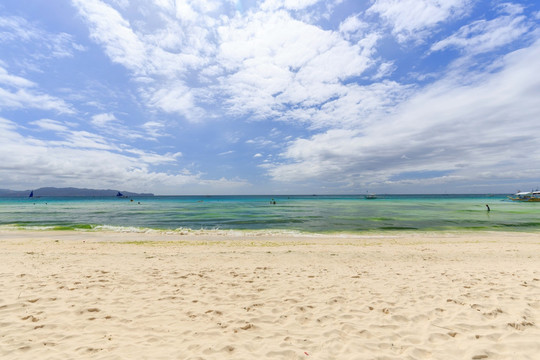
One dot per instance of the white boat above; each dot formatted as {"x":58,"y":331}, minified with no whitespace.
{"x":370,"y":196}
{"x":526,"y":196}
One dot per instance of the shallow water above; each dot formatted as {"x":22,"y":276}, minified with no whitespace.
{"x":317,"y":214}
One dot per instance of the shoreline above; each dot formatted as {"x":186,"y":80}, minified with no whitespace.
{"x":181,"y":231}
{"x":71,"y":294}
{"x":241,"y":237}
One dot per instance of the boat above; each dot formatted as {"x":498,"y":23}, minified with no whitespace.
{"x":120,"y":195}
{"x":526,"y":196}
{"x":31,"y":194}
{"x":370,"y":196}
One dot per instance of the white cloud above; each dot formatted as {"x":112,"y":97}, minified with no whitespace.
{"x":22,"y":94}
{"x":71,"y":138}
{"x":184,"y":11}
{"x":385,"y":70}
{"x":353,"y":27}
{"x":355,"y":106}
{"x":104,"y":119}
{"x":287,"y":62}
{"x":275,"y":61}
{"x":24,"y":98}
{"x":83,"y":159}
{"x":154,"y":129}
{"x":52,"y":125}
{"x":410,"y":19}
{"x":84,"y":140}
{"x":44,"y":45}
{"x":260,"y":142}
{"x":486,"y":35}
{"x":253,"y":65}
{"x":114,"y":128}
{"x":159,"y":57}
{"x":121,"y":3}
{"x":13,"y":80}
{"x":173,"y":98}
{"x":16,"y":28}
{"x":273,"y":5}
{"x":466,"y":131}
{"x":109,"y":28}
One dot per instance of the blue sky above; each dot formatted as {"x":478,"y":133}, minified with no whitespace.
{"x":275,"y":96}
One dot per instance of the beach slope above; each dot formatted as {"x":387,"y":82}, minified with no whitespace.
{"x":253,"y":296}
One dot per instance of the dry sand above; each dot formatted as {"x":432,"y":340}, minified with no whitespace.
{"x":74,"y":295}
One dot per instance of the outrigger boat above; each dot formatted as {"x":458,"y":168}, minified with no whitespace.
{"x":526,"y":196}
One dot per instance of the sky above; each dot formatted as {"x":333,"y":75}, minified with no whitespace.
{"x":270,"y":96}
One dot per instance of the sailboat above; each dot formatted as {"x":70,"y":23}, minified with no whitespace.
{"x":31,"y":194}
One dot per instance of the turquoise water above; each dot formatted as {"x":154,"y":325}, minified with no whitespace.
{"x":315,"y":214}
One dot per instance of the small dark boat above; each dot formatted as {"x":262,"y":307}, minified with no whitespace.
{"x":120,"y":195}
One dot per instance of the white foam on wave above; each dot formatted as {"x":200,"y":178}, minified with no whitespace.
{"x":176,"y":231}
{"x":124,"y":229}
{"x":12,"y":227}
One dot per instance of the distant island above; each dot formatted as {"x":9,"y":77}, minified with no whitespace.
{"x":69,"y":191}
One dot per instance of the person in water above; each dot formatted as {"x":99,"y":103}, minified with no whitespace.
{"x":488,"y":209}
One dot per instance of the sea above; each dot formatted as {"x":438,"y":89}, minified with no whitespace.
{"x":322,"y":214}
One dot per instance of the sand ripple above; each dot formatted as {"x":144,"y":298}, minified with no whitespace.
{"x":75,"y":299}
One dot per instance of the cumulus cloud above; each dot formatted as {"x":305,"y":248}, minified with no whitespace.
{"x":257,"y":64}
{"x":350,"y":106}
{"x":353,"y":27}
{"x":355,"y":107}
{"x":159,"y":57}
{"x":275,"y":62}
{"x":410,"y":19}
{"x":84,"y":159}
{"x":460,"y":130}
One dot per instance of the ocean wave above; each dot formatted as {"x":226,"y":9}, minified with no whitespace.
{"x":144,"y":230}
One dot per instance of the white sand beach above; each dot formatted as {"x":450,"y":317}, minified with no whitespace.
{"x":99,"y":295}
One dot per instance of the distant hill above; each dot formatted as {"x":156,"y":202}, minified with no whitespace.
{"x":70,"y":191}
